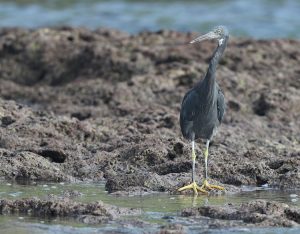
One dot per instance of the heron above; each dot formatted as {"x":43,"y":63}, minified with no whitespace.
{"x":203,"y":108}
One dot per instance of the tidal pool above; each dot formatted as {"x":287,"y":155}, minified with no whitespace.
{"x":158,"y":209}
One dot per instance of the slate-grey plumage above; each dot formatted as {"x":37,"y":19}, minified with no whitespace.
{"x":203,"y":107}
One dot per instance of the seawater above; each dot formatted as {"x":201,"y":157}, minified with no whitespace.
{"x":155,"y":207}
{"x":256,"y":18}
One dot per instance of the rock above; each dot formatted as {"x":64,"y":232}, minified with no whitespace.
{"x":77,"y":104}
{"x":91,"y":213}
{"x":254,"y":213}
{"x":172,"y":229}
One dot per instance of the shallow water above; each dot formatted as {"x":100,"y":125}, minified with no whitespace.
{"x":159,"y":209}
{"x":257,"y":18}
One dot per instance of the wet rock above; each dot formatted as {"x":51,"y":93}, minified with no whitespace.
{"x":172,"y":229}
{"x":30,"y":166}
{"x":90,"y":213}
{"x":91,"y":219}
{"x":253,"y":213}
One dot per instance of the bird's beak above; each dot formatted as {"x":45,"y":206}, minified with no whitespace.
{"x":207,"y":36}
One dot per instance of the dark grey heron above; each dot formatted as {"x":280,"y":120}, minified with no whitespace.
{"x":203,"y":108}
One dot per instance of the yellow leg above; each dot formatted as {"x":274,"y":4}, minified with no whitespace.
{"x":193,"y":185}
{"x":195,"y":188}
{"x":206,"y":186}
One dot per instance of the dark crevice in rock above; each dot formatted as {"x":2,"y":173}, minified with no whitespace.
{"x":261,"y":106}
{"x":53,"y":155}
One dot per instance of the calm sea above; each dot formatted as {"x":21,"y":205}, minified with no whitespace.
{"x":254,"y":18}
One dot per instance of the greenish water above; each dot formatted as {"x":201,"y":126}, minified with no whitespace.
{"x":256,"y":18}
{"x":156,"y":208}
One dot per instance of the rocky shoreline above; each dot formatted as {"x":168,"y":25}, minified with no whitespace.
{"x":77,"y":104}
{"x":258,"y":213}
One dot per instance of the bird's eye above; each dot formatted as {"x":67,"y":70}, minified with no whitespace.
{"x":218,"y":31}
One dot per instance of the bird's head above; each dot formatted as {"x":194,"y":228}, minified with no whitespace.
{"x":219,"y":33}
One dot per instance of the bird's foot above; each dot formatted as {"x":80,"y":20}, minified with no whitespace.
{"x":195,"y":188}
{"x":207,"y":187}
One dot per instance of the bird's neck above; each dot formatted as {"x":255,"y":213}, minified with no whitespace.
{"x":222,"y":43}
{"x":208,"y":83}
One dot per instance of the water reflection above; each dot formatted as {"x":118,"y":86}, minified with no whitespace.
{"x":158,"y":202}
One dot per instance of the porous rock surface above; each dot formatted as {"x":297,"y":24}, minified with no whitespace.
{"x":90,"y":213}
{"x":256,"y":213}
{"x":77,"y":104}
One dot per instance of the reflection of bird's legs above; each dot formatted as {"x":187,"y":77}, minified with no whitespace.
{"x":206,"y":185}
{"x":193,"y":185}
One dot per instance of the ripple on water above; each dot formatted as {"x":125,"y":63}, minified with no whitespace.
{"x":156,"y":206}
{"x":15,"y":194}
